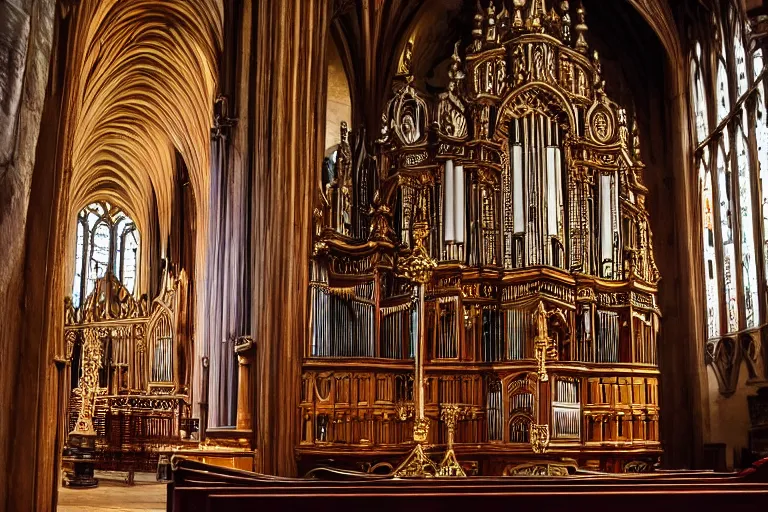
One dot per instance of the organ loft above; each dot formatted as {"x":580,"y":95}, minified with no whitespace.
{"x":492,"y":257}
{"x":333,"y":255}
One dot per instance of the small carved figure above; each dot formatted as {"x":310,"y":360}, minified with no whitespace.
{"x":343,"y":211}
{"x":451,"y":118}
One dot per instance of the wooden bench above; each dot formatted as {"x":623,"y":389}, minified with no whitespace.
{"x":199,"y":487}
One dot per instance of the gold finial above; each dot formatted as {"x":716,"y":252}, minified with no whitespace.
{"x":449,"y":466}
{"x":517,"y":22}
{"x":565,"y":10}
{"x":537,"y":12}
{"x":581,"y":29}
{"x":477,"y":29}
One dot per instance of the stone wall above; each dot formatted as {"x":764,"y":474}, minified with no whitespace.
{"x":26,"y":32}
{"x":338,"y":102}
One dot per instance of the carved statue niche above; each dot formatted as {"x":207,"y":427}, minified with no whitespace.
{"x":451,"y":117}
{"x":344,"y":179}
{"x":338,"y":188}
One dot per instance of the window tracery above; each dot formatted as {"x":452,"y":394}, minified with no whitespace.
{"x":107,"y":241}
{"x":731,"y":137}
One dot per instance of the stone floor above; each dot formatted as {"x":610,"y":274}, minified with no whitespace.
{"x":114,"y":495}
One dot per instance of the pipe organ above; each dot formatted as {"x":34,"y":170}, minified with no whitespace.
{"x":126,"y":392}
{"x":522,"y":184}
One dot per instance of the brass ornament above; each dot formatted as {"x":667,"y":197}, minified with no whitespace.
{"x":418,"y":266}
{"x":539,"y":438}
{"x":417,"y":464}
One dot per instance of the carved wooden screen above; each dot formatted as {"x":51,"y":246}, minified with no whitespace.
{"x":161,"y":348}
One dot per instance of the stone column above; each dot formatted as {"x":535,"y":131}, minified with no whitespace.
{"x":285,"y":73}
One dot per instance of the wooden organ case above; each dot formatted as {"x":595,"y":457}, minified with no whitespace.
{"x":129,"y":389}
{"x":538,"y":323}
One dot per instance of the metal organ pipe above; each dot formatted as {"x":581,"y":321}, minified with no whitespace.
{"x":459,"y":203}
{"x":606,"y":225}
{"x":537,"y":196}
{"x":518,"y":201}
{"x":449,"y":202}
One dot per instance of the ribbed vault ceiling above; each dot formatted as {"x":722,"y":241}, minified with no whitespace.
{"x":146,"y":85}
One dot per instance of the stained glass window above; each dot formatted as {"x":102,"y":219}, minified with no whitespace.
{"x":723,"y":97}
{"x":107,"y":240}
{"x":731,"y":153}
{"x":739,"y":56}
{"x":749,"y":267}
{"x":730,"y":287}
{"x":761,"y":135}
{"x":710,"y":261}
{"x":699,"y":97}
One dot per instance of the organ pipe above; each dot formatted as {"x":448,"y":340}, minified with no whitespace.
{"x":459,"y":203}
{"x":449,"y":202}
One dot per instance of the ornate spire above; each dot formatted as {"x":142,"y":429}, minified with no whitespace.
{"x":636,"y":140}
{"x":565,"y":27}
{"x":581,"y":29}
{"x":477,"y":29}
{"x":537,"y":13}
{"x":518,"y":17}
{"x":455,"y":74}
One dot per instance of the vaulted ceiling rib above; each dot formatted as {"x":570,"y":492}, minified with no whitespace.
{"x":146,"y":86}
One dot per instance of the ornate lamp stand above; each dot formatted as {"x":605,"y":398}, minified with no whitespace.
{"x":418,"y":267}
{"x":82,"y":440}
{"x":449,"y":466}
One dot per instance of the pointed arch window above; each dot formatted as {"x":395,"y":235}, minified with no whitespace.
{"x":699,"y":96}
{"x":710,"y":255}
{"x":107,"y":240}
{"x":727,"y":94}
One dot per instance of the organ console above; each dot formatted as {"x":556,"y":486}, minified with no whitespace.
{"x":533,"y":337}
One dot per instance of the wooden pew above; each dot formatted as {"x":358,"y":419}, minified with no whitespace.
{"x":201,"y":488}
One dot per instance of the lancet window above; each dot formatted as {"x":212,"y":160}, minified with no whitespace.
{"x":107,"y":241}
{"x":727,"y":93}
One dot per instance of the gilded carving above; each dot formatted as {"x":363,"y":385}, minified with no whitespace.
{"x":452,"y":120}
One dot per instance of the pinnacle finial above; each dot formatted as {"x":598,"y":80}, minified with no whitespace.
{"x":581,"y":29}
{"x":537,"y":12}
{"x":565,"y":13}
{"x":518,"y":17}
